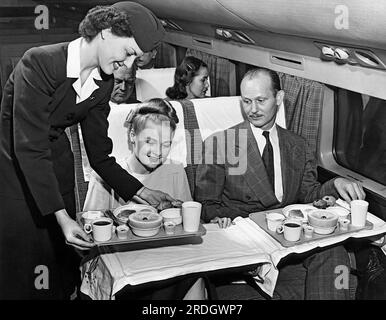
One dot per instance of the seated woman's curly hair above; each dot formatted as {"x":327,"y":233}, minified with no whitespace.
{"x":104,"y":17}
{"x":183,"y":75}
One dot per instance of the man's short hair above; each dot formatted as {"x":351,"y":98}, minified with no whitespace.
{"x":275,"y":80}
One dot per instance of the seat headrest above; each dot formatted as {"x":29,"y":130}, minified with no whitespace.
{"x":221,"y":113}
{"x":152,"y":83}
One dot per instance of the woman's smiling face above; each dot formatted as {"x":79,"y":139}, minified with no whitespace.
{"x":152,"y":144}
{"x":114,"y":51}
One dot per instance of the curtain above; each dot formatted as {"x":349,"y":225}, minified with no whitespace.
{"x":372,"y":154}
{"x":348,"y":138}
{"x":166,"y":56}
{"x":303,"y":103}
{"x":221,"y":73}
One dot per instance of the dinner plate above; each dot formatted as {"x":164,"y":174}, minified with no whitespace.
{"x":132,"y":206}
{"x":304,"y":208}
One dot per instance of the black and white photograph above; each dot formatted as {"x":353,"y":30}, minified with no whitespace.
{"x":192,"y":158}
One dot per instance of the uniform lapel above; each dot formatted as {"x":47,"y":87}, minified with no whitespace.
{"x":98,"y":94}
{"x":256,"y":175}
{"x":65,"y":83}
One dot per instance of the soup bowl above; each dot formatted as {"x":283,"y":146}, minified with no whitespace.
{"x":322,"y":218}
{"x":145,"y":220}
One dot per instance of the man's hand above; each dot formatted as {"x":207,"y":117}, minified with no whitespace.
{"x":157,"y":199}
{"x":349,"y":190}
{"x":222,"y":222}
{"x":73,"y":233}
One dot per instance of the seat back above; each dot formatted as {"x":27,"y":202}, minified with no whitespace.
{"x":152,"y":83}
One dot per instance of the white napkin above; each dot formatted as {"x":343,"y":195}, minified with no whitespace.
{"x":221,"y":248}
{"x":243,"y":243}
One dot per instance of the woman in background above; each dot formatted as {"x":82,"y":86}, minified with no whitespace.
{"x":190,"y":80}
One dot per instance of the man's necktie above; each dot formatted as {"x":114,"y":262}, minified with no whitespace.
{"x":268,"y":159}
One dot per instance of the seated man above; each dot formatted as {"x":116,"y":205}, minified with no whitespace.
{"x":275,"y":169}
{"x":124,"y":78}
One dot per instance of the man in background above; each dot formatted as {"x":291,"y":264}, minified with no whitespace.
{"x":124,"y":78}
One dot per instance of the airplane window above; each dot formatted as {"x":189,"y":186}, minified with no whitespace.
{"x":360,"y":134}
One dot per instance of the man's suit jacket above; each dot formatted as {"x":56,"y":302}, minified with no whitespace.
{"x":38,"y":104}
{"x":226,"y":190}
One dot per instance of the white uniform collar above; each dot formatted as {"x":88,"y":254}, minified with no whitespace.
{"x":73,"y":71}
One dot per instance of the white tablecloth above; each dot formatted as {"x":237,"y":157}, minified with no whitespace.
{"x":241,"y":244}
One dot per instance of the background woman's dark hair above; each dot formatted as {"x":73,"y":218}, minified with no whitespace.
{"x":155,"y":109}
{"x":104,"y":17}
{"x":184,"y":74}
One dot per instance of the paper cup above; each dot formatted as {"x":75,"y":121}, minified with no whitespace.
{"x":359,"y":212}
{"x":191,"y":214}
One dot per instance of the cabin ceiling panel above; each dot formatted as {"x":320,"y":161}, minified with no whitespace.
{"x":206,"y":11}
{"x":354,"y":22}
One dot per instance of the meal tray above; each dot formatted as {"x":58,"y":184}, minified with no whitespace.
{"x":260,"y":220}
{"x":160,"y":239}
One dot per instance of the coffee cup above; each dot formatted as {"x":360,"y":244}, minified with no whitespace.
{"x":101,"y":229}
{"x":191,"y":214}
{"x":274,"y":220}
{"x":359,"y":212}
{"x":291,"y":229}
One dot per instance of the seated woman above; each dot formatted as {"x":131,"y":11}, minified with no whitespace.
{"x":151,"y":130}
{"x":190,"y":80}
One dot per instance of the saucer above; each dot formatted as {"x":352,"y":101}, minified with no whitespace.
{"x":321,"y":230}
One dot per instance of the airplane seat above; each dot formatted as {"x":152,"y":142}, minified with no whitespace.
{"x":152,"y":83}
{"x":202,"y":118}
